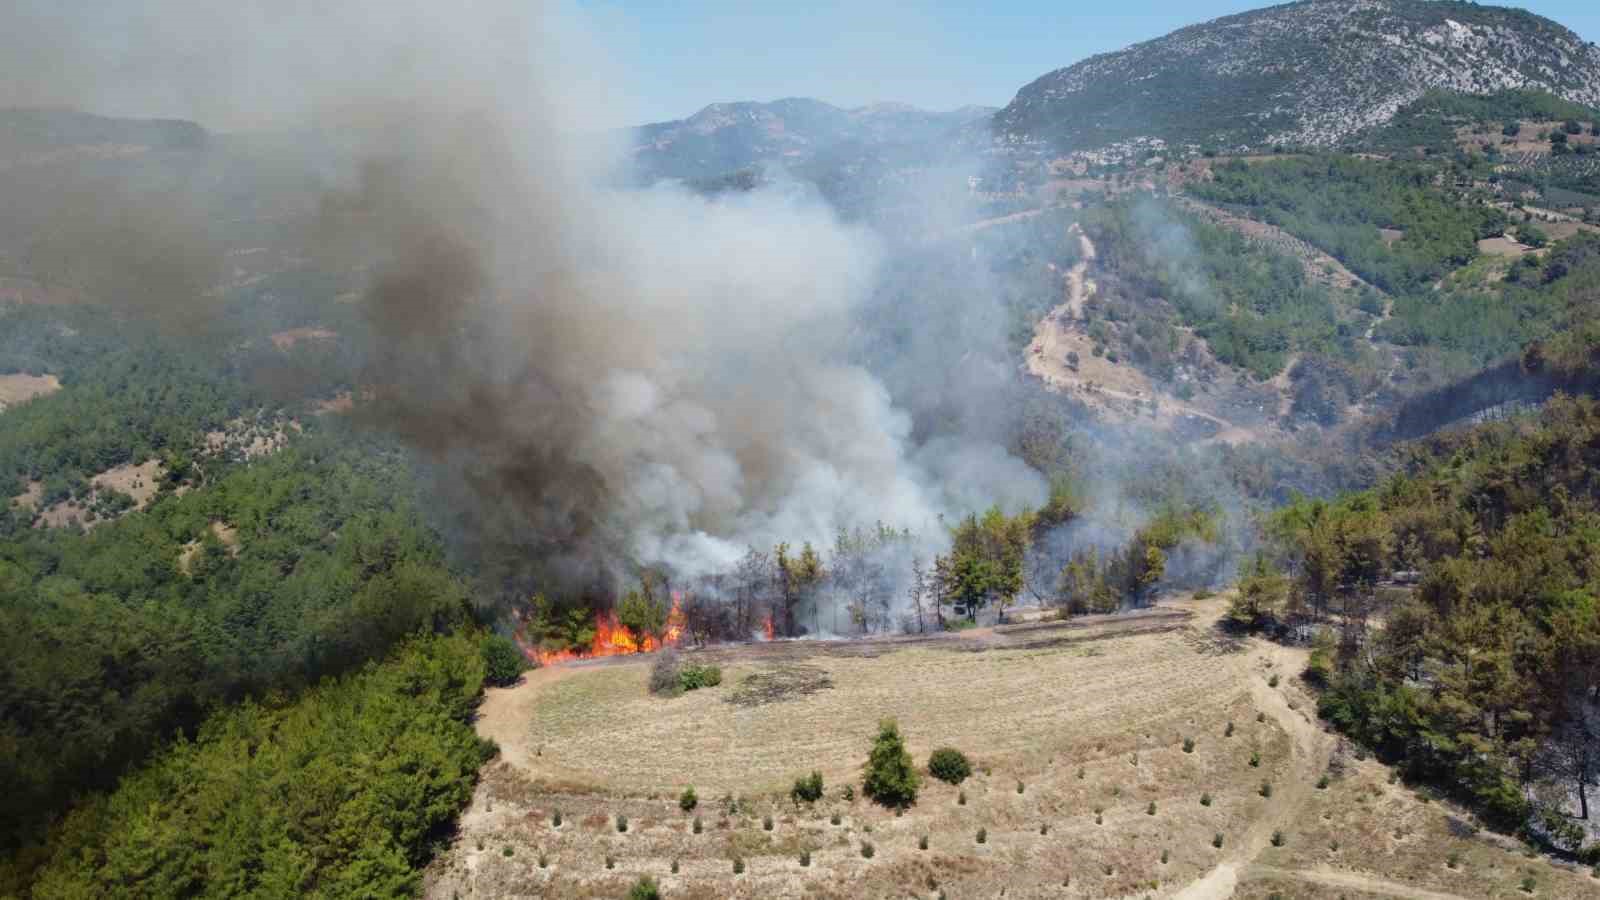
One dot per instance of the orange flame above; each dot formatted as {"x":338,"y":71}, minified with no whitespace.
{"x":675,"y":621}
{"x":767,"y":629}
{"x":612,"y":638}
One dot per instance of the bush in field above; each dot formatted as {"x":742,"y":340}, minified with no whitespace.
{"x":503,"y":661}
{"x":807,"y":789}
{"x":688,"y":800}
{"x":645,"y":889}
{"x":949,"y":765}
{"x":691,"y":678}
{"x":665,"y":674}
{"x":891,"y":777}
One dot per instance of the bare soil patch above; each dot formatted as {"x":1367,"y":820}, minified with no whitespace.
{"x":251,"y":438}
{"x":141,"y":482}
{"x":1503,"y":246}
{"x":286,"y":340}
{"x":20,"y":388}
{"x":226,"y":535}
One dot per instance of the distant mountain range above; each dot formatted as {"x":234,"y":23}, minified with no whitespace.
{"x":1313,"y":73}
{"x":726,"y":137}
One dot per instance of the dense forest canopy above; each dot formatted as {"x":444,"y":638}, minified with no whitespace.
{"x":1486,"y":678}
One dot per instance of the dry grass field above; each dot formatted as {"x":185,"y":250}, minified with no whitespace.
{"x":1083,"y":786}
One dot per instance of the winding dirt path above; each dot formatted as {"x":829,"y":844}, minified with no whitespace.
{"x":1095,"y":380}
{"x":1309,"y":754}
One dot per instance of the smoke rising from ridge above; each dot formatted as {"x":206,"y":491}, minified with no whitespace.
{"x":607,"y":377}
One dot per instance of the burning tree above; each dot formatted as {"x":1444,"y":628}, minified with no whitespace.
{"x":798,"y":578}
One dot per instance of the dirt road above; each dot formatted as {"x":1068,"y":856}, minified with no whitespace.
{"x":1354,"y":882}
{"x":1311,"y":751}
{"x":1121,"y":390}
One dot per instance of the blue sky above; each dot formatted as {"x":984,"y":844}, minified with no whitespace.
{"x":676,"y":56}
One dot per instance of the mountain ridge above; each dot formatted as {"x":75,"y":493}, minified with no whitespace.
{"x":723,"y":137}
{"x":1310,"y":73}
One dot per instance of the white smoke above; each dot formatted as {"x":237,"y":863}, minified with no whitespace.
{"x":623,"y":377}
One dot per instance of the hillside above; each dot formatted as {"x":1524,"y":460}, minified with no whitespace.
{"x":724,"y":137}
{"x":1311,"y":73}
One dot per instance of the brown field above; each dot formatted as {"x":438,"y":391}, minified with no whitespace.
{"x":1088,"y":717}
{"x":20,"y":388}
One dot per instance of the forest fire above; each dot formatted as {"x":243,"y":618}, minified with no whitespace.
{"x":612,"y":638}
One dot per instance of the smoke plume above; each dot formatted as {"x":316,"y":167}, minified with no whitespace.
{"x":605,"y":377}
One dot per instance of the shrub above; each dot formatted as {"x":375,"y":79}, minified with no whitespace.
{"x":1020,"y":787}
{"x":1228,"y":732}
{"x":1255,"y":759}
{"x":544,"y":861}
{"x":555,"y":820}
{"x":766,"y":823}
{"x":961,"y":799}
{"x":1216,"y":840}
{"x":665,"y":674}
{"x":1165,"y":854}
{"x":692,"y":678}
{"x":674,"y":867}
{"x":1205,"y":799}
{"x":1322,"y":783}
{"x":891,"y":778}
{"x":805,"y":859}
{"x":645,"y":889}
{"x":1188,"y":745}
{"x":867,"y":850}
{"x":1453,"y":860}
{"x":507,"y":851}
{"x":849,"y":793}
{"x":922,"y":842}
{"x":1273,"y":681}
{"x":1261,"y":717}
{"x":611,"y":862}
{"x":983,"y":835}
{"x":1266,"y":789}
{"x":1080,"y":773}
{"x":687,"y":801}
{"x":738,"y":865}
{"x":1151,"y":809}
{"x":1044,"y":828}
{"x":835,"y":819}
{"x":1277,"y":839}
{"x":622,"y":824}
{"x":1528,"y":884}
{"x":949,"y":765}
{"x":503,"y":662}
{"x":807,"y":788}
{"x":698,"y":827}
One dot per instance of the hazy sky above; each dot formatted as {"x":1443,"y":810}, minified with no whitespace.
{"x":679,"y":55}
